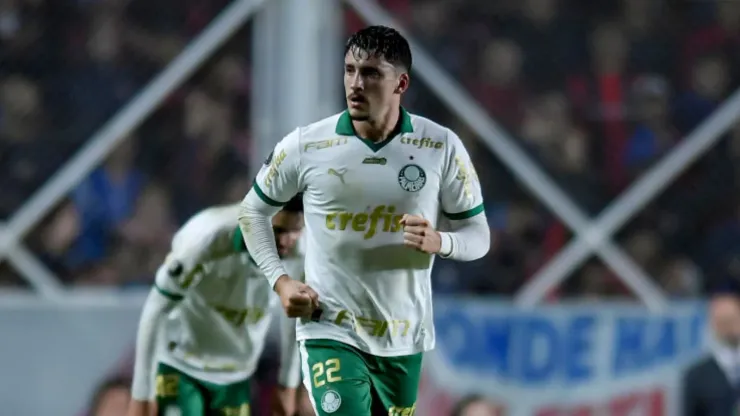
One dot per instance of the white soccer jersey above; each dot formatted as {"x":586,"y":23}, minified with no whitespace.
{"x":375,"y":293}
{"x":217,"y":330}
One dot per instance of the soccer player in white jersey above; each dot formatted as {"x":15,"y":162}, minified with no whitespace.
{"x":206,"y":319}
{"x":377,"y":182}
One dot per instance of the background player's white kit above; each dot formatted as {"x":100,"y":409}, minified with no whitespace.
{"x":219,"y":307}
{"x":375,"y":293}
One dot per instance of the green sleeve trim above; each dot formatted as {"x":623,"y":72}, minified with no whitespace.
{"x":169,"y":295}
{"x":266,"y":199}
{"x":465,"y":214}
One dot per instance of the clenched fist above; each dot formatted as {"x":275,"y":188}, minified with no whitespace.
{"x":418,"y":233}
{"x":297,"y":298}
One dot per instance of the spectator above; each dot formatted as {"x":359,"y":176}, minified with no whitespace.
{"x":549,"y":41}
{"x":654,"y":134}
{"x":708,"y":86}
{"x":104,"y":202}
{"x":101,"y":81}
{"x":498,"y":85}
{"x":710,"y":386}
{"x":649,"y":26}
{"x":25,"y":157}
{"x":600,"y":96}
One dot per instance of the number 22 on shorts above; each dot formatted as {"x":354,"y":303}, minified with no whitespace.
{"x":330,"y":368}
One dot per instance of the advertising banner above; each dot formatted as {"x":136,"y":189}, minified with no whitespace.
{"x":562,"y":360}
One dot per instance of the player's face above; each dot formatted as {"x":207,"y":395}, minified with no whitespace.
{"x":372,"y":85}
{"x":288,"y":227}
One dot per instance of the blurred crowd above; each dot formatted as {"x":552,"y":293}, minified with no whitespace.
{"x":595,"y":92}
{"x":65,"y":69}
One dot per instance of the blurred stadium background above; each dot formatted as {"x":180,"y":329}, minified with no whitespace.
{"x":605,"y":134}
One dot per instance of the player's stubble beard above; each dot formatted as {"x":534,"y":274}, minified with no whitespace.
{"x":363,"y":117}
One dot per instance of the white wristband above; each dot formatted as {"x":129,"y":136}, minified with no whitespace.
{"x":446,"y":245}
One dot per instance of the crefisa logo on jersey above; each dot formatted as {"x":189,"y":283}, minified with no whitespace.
{"x":412,"y":178}
{"x":330,"y":401}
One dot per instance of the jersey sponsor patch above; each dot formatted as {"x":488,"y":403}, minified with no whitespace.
{"x":374,"y":161}
{"x":412,"y":178}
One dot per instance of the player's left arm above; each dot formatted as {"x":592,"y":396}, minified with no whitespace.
{"x":468,"y":236}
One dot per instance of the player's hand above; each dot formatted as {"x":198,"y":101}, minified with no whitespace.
{"x":141,"y":408}
{"x":284,"y":400}
{"x":298,"y":299}
{"x":418,"y":233}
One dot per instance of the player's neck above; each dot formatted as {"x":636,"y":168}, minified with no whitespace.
{"x":381,"y":129}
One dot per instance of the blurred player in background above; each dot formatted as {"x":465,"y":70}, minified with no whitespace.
{"x":376,"y":182}
{"x":213,"y":304}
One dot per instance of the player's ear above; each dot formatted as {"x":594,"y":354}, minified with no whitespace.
{"x":403,"y":83}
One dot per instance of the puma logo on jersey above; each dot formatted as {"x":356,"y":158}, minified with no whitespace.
{"x":379,"y":219}
{"x":338,"y":173}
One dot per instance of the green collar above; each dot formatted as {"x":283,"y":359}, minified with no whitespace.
{"x":345,"y":128}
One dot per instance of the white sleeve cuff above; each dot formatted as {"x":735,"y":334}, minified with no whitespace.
{"x":446,"y":246}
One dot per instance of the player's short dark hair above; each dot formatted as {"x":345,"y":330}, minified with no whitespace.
{"x":295,"y":204}
{"x":382,"y":42}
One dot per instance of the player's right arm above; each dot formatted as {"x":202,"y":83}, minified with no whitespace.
{"x":179,"y":273}
{"x":276,"y":183}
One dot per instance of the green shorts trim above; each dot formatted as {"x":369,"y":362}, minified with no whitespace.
{"x":343,"y":381}
{"x":181,"y":394}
